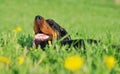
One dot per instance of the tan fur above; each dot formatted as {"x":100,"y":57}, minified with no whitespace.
{"x":45,"y":28}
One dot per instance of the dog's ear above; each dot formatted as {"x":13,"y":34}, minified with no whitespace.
{"x":61,"y":32}
{"x":53,"y":24}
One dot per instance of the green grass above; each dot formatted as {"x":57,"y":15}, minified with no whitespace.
{"x":98,"y":19}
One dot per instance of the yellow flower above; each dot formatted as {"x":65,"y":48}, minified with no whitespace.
{"x":20,"y":60}
{"x":109,"y":61}
{"x":5,"y":60}
{"x":17,"y":29}
{"x":73,"y":63}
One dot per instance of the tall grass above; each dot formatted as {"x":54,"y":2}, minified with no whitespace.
{"x":98,"y":19}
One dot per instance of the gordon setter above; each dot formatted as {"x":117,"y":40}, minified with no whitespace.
{"x":49,"y":28}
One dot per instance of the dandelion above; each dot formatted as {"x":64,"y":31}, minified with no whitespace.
{"x":20,"y":60}
{"x":109,"y":61}
{"x":4,"y":60}
{"x":17,"y":29}
{"x":73,"y":63}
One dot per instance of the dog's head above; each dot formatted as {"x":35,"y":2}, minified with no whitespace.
{"x":47,"y":30}
{"x":41,"y":26}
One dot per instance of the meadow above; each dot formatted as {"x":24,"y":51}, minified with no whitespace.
{"x":97,"y":19}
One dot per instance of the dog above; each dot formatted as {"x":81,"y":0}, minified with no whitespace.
{"x":47,"y":30}
{"x":52,"y":30}
{"x":49,"y":27}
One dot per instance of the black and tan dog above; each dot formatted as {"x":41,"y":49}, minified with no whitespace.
{"x":49,"y":27}
{"x":52,"y":29}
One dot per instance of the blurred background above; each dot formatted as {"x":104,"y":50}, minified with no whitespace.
{"x":90,"y":17}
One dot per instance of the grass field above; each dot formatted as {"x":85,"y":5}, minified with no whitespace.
{"x":98,"y":19}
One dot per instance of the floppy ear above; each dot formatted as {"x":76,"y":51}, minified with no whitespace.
{"x":53,"y":24}
{"x":61,"y":32}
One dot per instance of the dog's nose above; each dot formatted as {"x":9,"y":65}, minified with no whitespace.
{"x":38,"y":17}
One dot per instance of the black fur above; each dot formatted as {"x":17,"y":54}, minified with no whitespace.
{"x":64,"y":36}
{"x":57,"y":28}
{"x":66,"y":39}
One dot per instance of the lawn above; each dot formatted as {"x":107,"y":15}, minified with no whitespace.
{"x":97,"y":19}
